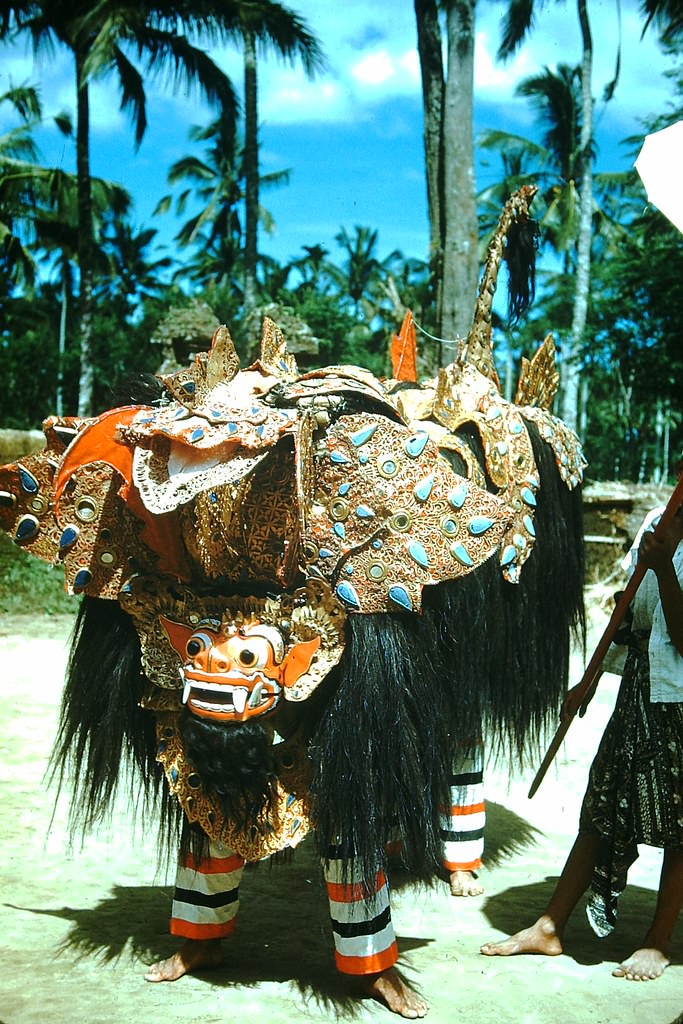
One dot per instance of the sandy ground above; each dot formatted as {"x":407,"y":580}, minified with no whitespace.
{"x":77,"y":925}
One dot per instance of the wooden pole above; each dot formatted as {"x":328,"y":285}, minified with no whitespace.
{"x":589,"y":681}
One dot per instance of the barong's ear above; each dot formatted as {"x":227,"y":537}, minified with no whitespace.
{"x":178,"y":634}
{"x":298,"y":660}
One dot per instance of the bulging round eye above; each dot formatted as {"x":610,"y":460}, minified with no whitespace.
{"x":249,"y":652}
{"x":197,"y":643}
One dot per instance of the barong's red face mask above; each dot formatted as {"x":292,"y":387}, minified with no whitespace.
{"x":233,"y":673}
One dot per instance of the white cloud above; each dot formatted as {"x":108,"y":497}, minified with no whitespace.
{"x":374,"y":69}
{"x":372,"y":58}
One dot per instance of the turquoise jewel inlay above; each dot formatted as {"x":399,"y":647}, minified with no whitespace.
{"x":423,"y":488}
{"x":359,"y":437}
{"x":27,"y":528}
{"x":400,"y":596}
{"x":479,"y":525}
{"x":346,"y":592}
{"x":325,"y":553}
{"x":415,"y":445}
{"x":338,"y":528}
{"x":458,"y":495}
{"x":68,"y":538}
{"x":418,"y":553}
{"x":197,"y":434}
{"x":509,"y":554}
{"x":460,"y":552}
{"x":364,"y":512}
{"x":343,"y":489}
{"x":338,"y":457}
{"x":81,"y":580}
{"x":528,"y":497}
{"x":28,"y":481}
{"x":529,"y":524}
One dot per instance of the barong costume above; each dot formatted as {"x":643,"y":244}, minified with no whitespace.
{"x":400,"y":564}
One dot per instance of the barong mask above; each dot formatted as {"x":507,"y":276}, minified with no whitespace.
{"x":235,"y":672}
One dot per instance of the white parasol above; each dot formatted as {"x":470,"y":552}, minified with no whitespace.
{"x":660,"y":165}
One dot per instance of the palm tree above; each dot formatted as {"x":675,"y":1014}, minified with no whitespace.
{"x":666,"y":16}
{"x":518,"y":21}
{"x":449,"y":160}
{"x":25,"y":186}
{"x":360,"y":268}
{"x":97,"y":37}
{"x":282,"y":29}
{"x":217,"y":181}
{"x":553,"y":163}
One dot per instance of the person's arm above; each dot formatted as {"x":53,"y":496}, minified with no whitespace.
{"x":657,"y":554}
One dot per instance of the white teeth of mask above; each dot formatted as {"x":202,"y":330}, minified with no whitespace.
{"x":186,"y":692}
{"x":239,"y":698}
{"x":255,"y":698}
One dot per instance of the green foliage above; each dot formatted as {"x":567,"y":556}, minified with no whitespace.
{"x":27,"y":584}
{"x":636,"y":357}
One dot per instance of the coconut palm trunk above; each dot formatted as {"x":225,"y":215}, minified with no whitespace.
{"x":461,"y":258}
{"x":251,"y":171}
{"x":572,"y":359}
{"x":449,"y":161}
{"x":86,"y":242}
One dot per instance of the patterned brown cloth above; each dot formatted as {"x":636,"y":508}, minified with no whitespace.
{"x":635,"y":788}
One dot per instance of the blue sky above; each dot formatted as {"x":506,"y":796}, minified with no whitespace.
{"x":353,"y":137}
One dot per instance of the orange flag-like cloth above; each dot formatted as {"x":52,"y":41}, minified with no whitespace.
{"x":404,"y":351}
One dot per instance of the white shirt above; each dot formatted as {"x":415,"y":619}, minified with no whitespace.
{"x":666,"y":664}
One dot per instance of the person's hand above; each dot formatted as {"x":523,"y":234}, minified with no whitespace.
{"x":657,"y":552}
{"x":577,"y":700}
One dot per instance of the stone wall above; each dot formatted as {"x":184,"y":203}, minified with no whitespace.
{"x":15,"y":443}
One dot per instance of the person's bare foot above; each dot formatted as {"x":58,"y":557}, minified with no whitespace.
{"x":541,"y":938}
{"x":193,"y":955}
{"x":643,"y":965}
{"x":464,"y":883}
{"x":390,"y":988}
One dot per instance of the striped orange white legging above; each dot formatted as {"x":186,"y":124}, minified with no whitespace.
{"x":206,"y":898}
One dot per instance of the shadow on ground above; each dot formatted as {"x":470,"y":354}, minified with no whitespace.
{"x":295,"y":946}
{"x":636,"y":909}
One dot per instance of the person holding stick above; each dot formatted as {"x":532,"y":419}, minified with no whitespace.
{"x":635,"y":787}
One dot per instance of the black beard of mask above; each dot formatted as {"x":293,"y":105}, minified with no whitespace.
{"x":235,"y":761}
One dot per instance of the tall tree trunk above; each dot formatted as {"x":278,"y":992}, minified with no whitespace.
{"x":251,"y":171}
{"x":430,"y":48}
{"x":572,"y":364}
{"x":62,"y":338}
{"x":86,"y":242}
{"x":461,"y":260}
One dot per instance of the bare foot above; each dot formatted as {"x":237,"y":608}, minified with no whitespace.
{"x":465,"y":883}
{"x":390,"y":988}
{"x":643,"y":965}
{"x":192,"y":956}
{"x":540,"y":938}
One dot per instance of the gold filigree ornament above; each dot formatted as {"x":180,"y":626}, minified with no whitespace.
{"x":466,"y":396}
{"x":538,"y":378}
{"x":389,"y":516}
{"x":289,"y":819}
